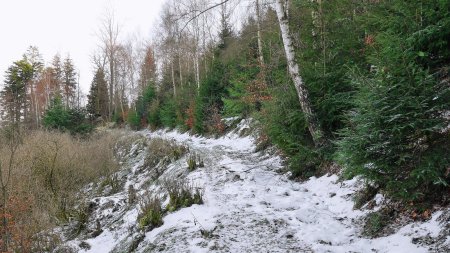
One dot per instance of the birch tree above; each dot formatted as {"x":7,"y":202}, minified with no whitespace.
{"x":109,"y":37}
{"x":258,"y":27}
{"x":294,"y":71}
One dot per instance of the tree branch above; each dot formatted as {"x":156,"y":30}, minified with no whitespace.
{"x":201,"y":12}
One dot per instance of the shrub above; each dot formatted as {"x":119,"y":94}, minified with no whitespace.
{"x":159,"y":149}
{"x":80,"y":217}
{"x":194,"y":161}
{"x":153,"y":117}
{"x":49,"y":170}
{"x":374,"y":223}
{"x":167,"y":114}
{"x":211,"y":91}
{"x":133,"y":119}
{"x":70,"y":120}
{"x":396,"y":136}
{"x":111,"y":183}
{"x":182,"y":194}
{"x":364,"y":196}
{"x":285,"y":126}
{"x":190,"y":116}
{"x":151,"y":213}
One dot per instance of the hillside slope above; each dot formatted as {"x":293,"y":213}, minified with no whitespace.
{"x":249,"y":206}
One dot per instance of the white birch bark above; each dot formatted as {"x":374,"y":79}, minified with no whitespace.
{"x":173,"y":79}
{"x":258,"y":26}
{"x":294,"y":70}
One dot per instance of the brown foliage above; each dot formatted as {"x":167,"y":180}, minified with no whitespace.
{"x":214,"y":122}
{"x":49,"y":170}
{"x":190,"y":112}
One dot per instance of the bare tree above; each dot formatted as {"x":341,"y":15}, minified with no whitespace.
{"x":11,"y":135}
{"x":109,"y":36}
{"x":33,"y":56}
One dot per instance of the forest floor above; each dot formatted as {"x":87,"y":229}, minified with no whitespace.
{"x":249,"y":206}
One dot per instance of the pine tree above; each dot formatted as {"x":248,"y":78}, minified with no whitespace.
{"x":57,"y":74}
{"x":14,"y":97}
{"x":98,"y":96}
{"x":69,"y":82}
{"x":226,"y":32}
{"x":398,"y":137}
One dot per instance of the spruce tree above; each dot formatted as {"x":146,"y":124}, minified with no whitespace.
{"x":14,"y":97}
{"x":397,"y":136}
{"x":69,"y":82}
{"x":57,"y":74}
{"x":98,"y":96}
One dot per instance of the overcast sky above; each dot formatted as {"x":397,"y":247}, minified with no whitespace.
{"x":67,"y":27}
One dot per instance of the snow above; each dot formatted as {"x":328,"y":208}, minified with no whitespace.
{"x":250,"y":207}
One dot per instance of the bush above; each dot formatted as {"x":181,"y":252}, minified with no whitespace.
{"x":396,"y":135}
{"x":49,"y":170}
{"x":159,"y":149}
{"x":182,"y":194}
{"x":153,"y":117}
{"x":167,"y":114}
{"x":398,"y":144}
{"x":374,"y":224}
{"x":211,"y":92}
{"x":117,"y":117}
{"x":133,"y":119}
{"x":70,"y":120}
{"x":151,"y":213}
{"x":285,"y":126}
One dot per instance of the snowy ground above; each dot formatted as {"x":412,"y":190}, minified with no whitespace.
{"x":248,"y":207}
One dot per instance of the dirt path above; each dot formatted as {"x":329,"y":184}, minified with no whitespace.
{"x":248,"y":207}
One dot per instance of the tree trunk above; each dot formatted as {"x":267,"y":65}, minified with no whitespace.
{"x":294,"y":70}
{"x":197,"y":70}
{"x":180,"y":68}
{"x":173,"y":79}
{"x":111,"y":88}
{"x":258,"y":26}
{"x":4,"y":232}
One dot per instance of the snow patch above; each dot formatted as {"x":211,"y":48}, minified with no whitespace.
{"x":249,"y":207}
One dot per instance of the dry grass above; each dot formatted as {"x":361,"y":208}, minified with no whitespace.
{"x":163,"y":151}
{"x":182,"y":194}
{"x":47,"y":172}
{"x":150,"y":212}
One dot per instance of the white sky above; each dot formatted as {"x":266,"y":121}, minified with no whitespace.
{"x":67,"y":27}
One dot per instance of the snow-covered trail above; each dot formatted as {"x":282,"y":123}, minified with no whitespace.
{"x":248,"y":207}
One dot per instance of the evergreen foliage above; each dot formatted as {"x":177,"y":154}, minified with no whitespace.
{"x":396,"y":135}
{"x":377,"y":75}
{"x":133,"y":119}
{"x":98,"y":96}
{"x":167,"y":114}
{"x":14,"y":101}
{"x":63,"y":119}
{"x":210,"y":95}
{"x":69,"y":82}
